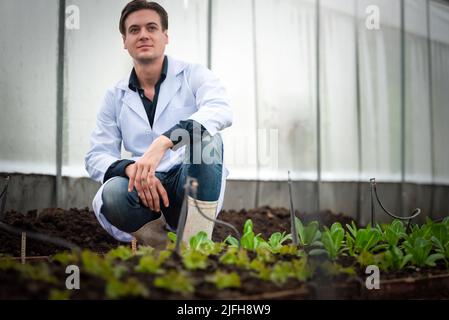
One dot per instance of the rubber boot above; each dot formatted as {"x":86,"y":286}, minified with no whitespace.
{"x":195,"y":222}
{"x":153,"y":234}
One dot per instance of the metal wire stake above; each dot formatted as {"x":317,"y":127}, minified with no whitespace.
{"x":3,"y":196}
{"x":183,"y":216}
{"x":415,"y":212}
{"x":373,"y":212}
{"x":292,"y":213}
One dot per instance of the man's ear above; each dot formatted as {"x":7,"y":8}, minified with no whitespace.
{"x":167,"y":39}
{"x":124,"y":42}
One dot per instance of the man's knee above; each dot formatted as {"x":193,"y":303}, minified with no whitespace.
{"x":115,"y":192}
{"x":122,"y":208}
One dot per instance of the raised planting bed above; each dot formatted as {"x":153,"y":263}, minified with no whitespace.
{"x":328,"y":263}
{"x":80,"y":227}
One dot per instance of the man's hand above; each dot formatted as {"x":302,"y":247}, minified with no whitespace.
{"x":150,"y":197}
{"x":142,"y":175}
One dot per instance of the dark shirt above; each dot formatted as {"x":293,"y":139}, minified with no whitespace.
{"x":150,"y":106}
{"x":118,"y":168}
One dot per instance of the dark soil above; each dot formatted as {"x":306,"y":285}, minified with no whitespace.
{"x":268,"y":220}
{"x":80,"y":227}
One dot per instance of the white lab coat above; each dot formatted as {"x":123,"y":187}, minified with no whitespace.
{"x":190,"y":91}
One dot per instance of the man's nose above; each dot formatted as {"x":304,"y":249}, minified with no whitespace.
{"x":144,"y":34}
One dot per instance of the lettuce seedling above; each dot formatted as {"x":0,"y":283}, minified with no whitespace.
{"x":302,"y":269}
{"x":281,"y":272}
{"x":223,"y":280}
{"x":175,"y":282}
{"x":194,"y":260}
{"x":231,"y":241}
{"x":299,"y":269}
{"x":262,"y":271}
{"x":121,"y":253}
{"x":97,"y":266}
{"x":200,"y":242}
{"x":425,"y":231}
{"x":418,"y":252}
{"x":290,"y":249}
{"x":38,"y":272}
{"x":393,"y":233}
{"x":152,"y":263}
{"x":440,"y":239}
{"x":277,"y":239}
{"x":359,"y":240}
{"x":332,"y":240}
{"x":308,"y":235}
{"x":235,"y":256}
{"x":333,"y":269}
{"x":393,"y":259}
{"x":130,"y":288}
{"x":366,"y":258}
{"x":442,"y":247}
{"x":250,"y":240}
{"x":264,"y":255}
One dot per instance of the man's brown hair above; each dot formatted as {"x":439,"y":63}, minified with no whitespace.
{"x":137,"y":5}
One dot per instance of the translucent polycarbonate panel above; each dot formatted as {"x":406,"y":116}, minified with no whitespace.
{"x":96,"y":60}
{"x":338,"y":91}
{"x":439,"y":17}
{"x":416,"y":17}
{"x":388,"y":12}
{"x":344,"y":7}
{"x":440,"y":79}
{"x":286,"y":86}
{"x":28,"y":62}
{"x":187,"y":29}
{"x":418,"y":166}
{"x":233,"y":63}
{"x":380,"y":88}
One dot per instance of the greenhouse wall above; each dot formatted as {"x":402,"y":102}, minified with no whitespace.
{"x":334,"y":91}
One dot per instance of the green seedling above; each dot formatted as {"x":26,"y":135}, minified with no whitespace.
{"x":130,"y":288}
{"x":276,"y":241}
{"x":223,"y":280}
{"x":309,"y":235}
{"x":332,"y":240}
{"x":175,"y":281}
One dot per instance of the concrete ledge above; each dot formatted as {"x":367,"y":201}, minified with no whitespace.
{"x":37,"y":192}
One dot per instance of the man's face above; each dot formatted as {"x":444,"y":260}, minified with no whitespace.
{"x":145,"y":40}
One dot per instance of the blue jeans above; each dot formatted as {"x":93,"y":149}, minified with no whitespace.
{"x":125,"y":211}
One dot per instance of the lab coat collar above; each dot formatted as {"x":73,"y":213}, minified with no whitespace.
{"x":168,"y":90}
